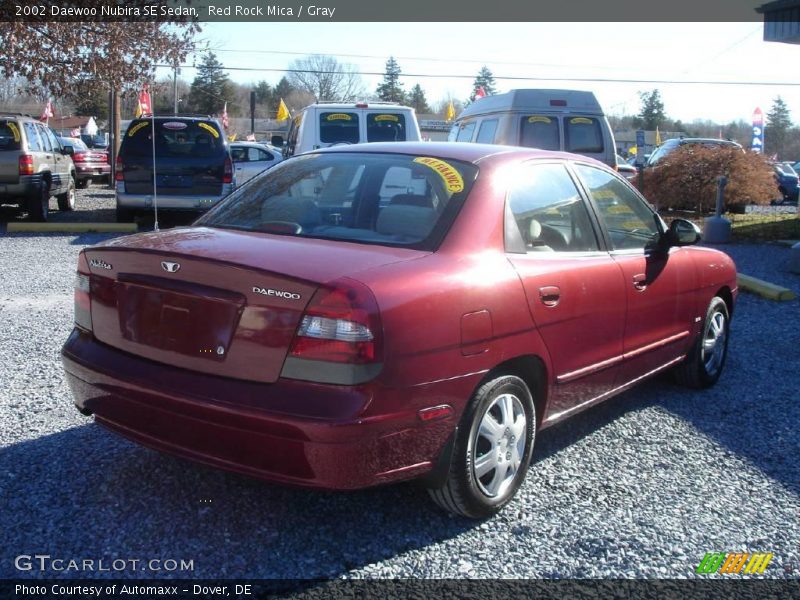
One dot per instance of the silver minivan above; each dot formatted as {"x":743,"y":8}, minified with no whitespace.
{"x":567,"y":120}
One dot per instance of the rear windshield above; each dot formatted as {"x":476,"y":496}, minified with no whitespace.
{"x":367,"y":198}
{"x":9,"y":135}
{"x":583,"y":134}
{"x":173,"y":139}
{"x":540,"y":131}
{"x":338,"y":127}
{"x":74,"y":142}
{"x":386,"y":127}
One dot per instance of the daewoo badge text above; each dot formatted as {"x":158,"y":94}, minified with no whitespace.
{"x":276,"y":293}
{"x":100,"y":264}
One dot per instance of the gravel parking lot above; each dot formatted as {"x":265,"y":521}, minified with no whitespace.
{"x":642,"y":486}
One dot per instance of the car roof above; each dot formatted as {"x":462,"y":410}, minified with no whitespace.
{"x":706,"y":141}
{"x":464,"y":151}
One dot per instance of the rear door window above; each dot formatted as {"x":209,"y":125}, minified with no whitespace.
{"x":9,"y":135}
{"x":195,"y":139}
{"x":486,"y":132}
{"x":338,"y":127}
{"x":34,"y":143}
{"x":386,"y":127}
{"x":583,"y":134}
{"x":540,"y":131}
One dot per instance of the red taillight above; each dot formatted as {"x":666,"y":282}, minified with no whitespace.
{"x":79,"y":156}
{"x":118,"y":176}
{"x":362,"y":105}
{"x":83,"y":294}
{"x":341,"y":324}
{"x":558,"y":102}
{"x":227,"y":174}
{"x":25,"y":164}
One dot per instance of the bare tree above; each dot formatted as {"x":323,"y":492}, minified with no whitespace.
{"x":325,"y":78}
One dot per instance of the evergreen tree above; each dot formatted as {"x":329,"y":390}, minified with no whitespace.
{"x":211,"y":88}
{"x":652,"y":113}
{"x":417,"y":100}
{"x":264,"y":93}
{"x":484,"y":79}
{"x":391,"y":90}
{"x":777,"y":129}
{"x":283,"y":90}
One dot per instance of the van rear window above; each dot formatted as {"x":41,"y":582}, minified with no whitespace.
{"x":582,"y":134}
{"x":386,"y":127}
{"x":338,"y":127}
{"x":540,"y":131}
{"x":173,"y":139}
{"x":9,"y":135}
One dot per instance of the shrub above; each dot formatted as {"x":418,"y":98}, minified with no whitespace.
{"x":686,"y":179}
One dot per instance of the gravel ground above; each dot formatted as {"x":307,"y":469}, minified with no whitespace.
{"x":642,"y":486}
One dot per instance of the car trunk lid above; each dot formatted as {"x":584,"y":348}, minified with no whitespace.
{"x":215,"y":301}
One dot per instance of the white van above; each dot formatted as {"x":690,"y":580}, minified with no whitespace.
{"x":567,"y":120}
{"x":327,"y":124}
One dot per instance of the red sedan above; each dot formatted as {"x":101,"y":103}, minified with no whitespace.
{"x":373,"y":313}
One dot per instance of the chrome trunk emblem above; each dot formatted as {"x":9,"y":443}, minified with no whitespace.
{"x":170,"y":267}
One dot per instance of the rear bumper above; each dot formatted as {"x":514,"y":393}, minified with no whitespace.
{"x":27,"y":186}
{"x":188,"y":202}
{"x":292,"y":432}
{"x":88,"y":171}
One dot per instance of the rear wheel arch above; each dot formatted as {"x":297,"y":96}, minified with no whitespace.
{"x":725,"y":293}
{"x":532,"y":370}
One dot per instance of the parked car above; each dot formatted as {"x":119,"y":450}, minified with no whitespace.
{"x":194,"y":170}
{"x":568,"y":120}
{"x":670,"y":145}
{"x":312,"y":336}
{"x":252,"y":158}
{"x":89,"y":164}
{"x":33,"y":167}
{"x":324,"y":124}
{"x":95,"y":142}
{"x":626,"y":169}
{"x":787,"y":180}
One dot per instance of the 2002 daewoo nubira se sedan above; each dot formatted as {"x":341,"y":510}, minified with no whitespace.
{"x":374,"y":313}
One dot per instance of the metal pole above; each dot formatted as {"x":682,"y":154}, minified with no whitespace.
{"x":112,"y":141}
{"x":175,"y":88}
{"x":253,"y":112}
{"x":722,"y":181}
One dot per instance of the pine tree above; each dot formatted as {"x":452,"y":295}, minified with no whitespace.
{"x":778,"y":125}
{"x":652,"y":113}
{"x":484,"y":79}
{"x":391,"y":90}
{"x":417,"y":100}
{"x":211,"y":88}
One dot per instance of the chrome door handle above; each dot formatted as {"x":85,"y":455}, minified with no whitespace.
{"x":550,"y":295}
{"x":640,"y":281}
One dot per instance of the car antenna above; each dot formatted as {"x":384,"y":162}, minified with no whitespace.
{"x":155,"y":188}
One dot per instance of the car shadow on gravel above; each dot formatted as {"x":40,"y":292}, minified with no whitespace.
{"x":86,"y":492}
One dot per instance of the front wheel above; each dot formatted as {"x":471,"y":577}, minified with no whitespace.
{"x":705,"y":361}
{"x":66,"y":201}
{"x":493,"y":449}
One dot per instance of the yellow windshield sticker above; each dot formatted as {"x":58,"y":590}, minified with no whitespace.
{"x":580,"y":121}
{"x":132,"y":131}
{"x":14,"y":131}
{"x":619,"y":209}
{"x":538,"y":119}
{"x":452,"y":178}
{"x":210,"y":128}
{"x":601,"y":194}
{"x":339,"y":117}
{"x":393,"y":118}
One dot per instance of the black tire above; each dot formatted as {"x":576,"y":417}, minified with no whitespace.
{"x":84,"y":183}
{"x":125,"y":215}
{"x":703,"y":365}
{"x":468,"y":494}
{"x":66,"y":201}
{"x":39,"y":203}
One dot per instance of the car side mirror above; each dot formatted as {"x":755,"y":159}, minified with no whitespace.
{"x":683,"y":233}
{"x":68,"y":150}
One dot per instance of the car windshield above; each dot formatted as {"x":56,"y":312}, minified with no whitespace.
{"x":370,"y":198}
{"x":75,"y":143}
{"x":786,"y":169}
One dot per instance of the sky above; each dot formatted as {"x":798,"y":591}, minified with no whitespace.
{"x":674,"y":52}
